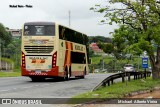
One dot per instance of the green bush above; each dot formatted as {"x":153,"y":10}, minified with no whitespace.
{"x":7,"y":60}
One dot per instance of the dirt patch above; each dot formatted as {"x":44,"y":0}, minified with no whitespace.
{"x":118,"y":105}
{"x":154,"y":94}
{"x":151,"y":93}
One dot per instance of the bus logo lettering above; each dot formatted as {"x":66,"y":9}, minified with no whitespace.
{"x":78,"y":48}
{"x":38,"y":59}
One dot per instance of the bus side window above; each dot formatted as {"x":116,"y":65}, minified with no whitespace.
{"x":77,"y":57}
{"x":90,"y":61}
{"x":84,"y":59}
{"x":72,"y":36}
{"x":67,"y":34}
{"x":61,"y":32}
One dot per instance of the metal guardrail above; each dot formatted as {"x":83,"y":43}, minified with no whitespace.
{"x":108,"y":80}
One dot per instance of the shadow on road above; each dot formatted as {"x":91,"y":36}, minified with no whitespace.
{"x":56,"y":80}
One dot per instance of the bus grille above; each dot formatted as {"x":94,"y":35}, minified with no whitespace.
{"x":38,"y":49}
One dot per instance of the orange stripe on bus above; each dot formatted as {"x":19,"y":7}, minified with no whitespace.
{"x":33,"y":61}
{"x":42,"y":61}
{"x":65,"y":61}
{"x":69,"y":47}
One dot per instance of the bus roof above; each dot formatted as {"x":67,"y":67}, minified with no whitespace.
{"x":49,"y":23}
{"x":71,"y":28}
{"x":41,"y":23}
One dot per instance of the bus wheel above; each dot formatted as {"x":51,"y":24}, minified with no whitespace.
{"x":83,"y":76}
{"x":67,"y":75}
{"x":84,"y":73}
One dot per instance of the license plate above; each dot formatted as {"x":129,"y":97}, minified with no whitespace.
{"x":38,"y":71}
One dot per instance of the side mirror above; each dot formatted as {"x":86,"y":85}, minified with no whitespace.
{"x":90,"y":61}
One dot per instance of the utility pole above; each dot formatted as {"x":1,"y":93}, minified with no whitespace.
{"x":69,"y":18}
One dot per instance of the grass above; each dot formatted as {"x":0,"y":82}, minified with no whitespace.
{"x":96,"y":59}
{"x":112,"y":63}
{"x":14,"y":73}
{"x":118,"y":90}
{"x":7,"y":60}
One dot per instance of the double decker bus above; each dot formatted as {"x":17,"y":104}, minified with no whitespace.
{"x":51,"y":50}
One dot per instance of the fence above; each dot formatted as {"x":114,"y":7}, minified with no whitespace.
{"x":6,"y":66}
{"x":110,"y":79}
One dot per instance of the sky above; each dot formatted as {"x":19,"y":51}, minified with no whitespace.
{"x":82,"y":18}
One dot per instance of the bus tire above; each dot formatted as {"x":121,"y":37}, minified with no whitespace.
{"x":70,"y":74}
{"x":84,"y":73}
{"x":66,"y":76}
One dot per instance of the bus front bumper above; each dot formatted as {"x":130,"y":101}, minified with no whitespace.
{"x":49,"y":73}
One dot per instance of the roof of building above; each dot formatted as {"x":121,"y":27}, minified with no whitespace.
{"x":95,"y":47}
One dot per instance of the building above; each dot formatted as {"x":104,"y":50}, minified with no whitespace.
{"x":16,"y":33}
{"x":95,"y":48}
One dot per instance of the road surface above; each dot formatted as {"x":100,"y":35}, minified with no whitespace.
{"x":22,"y":87}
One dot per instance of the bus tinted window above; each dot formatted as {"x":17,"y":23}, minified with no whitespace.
{"x":73,"y":36}
{"x":39,"y":30}
{"x":78,"y":57}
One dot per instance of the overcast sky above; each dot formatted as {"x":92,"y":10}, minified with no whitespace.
{"x":82,"y":19}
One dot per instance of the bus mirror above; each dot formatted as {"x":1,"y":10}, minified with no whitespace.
{"x":90,"y":61}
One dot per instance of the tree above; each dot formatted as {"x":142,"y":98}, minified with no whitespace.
{"x":106,"y":47}
{"x":4,"y":36}
{"x":99,"y":39}
{"x":141,"y":17}
{"x":13,"y":50}
{"x":91,"y":52}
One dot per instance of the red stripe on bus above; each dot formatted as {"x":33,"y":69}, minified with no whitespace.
{"x":53,"y":72}
{"x":74,"y":73}
{"x":77,"y":73}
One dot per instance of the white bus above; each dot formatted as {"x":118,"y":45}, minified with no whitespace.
{"x":50,"y":50}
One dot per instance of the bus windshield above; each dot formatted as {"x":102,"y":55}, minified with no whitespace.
{"x":39,"y":30}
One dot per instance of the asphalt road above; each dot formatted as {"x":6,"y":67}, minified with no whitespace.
{"x":22,"y":87}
